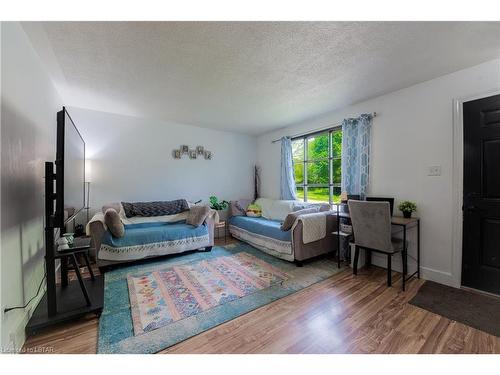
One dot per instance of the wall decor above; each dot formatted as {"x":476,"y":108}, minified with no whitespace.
{"x":192,"y":153}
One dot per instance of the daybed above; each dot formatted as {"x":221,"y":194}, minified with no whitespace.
{"x":303,"y":241}
{"x":148,"y":236}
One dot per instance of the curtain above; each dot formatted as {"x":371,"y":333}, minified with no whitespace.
{"x":356,"y":155}
{"x":287,"y":180}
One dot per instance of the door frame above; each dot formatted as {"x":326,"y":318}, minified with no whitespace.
{"x":458,"y":183}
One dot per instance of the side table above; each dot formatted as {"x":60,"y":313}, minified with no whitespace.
{"x":222,"y":224}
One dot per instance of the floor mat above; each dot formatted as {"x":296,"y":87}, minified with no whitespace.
{"x":476,"y":310}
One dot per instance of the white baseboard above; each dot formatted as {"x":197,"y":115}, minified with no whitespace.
{"x":437,"y":276}
{"x":426,"y":273}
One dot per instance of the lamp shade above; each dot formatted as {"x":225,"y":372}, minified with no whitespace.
{"x":88,"y":170}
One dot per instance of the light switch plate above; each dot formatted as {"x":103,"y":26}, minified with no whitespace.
{"x":434,"y":170}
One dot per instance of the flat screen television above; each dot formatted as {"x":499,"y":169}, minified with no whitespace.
{"x":70,"y":169}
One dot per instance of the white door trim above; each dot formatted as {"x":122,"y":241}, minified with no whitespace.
{"x":458,"y":179}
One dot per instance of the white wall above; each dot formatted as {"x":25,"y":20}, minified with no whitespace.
{"x":28,"y":126}
{"x":132,"y":160}
{"x":412,"y":131}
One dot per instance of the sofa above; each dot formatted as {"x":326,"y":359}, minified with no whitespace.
{"x":265,"y":232}
{"x":147,"y":237}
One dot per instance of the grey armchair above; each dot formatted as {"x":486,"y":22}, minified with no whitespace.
{"x":371,"y":224}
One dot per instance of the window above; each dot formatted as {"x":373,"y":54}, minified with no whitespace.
{"x":316,"y":162}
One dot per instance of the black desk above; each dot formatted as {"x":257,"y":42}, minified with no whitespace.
{"x":400,"y":221}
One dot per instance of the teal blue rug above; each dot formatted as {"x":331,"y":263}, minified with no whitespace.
{"x":116,"y":325}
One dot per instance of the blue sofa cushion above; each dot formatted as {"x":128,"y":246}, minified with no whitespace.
{"x":262,"y":226}
{"x":156,"y":232}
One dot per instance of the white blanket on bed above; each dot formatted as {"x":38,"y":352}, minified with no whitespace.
{"x":313,"y":226}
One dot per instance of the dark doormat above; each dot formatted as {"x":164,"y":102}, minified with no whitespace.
{"x":473,"y":309}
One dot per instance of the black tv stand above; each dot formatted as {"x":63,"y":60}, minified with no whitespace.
{"x":71,"y":305}
{"x":69,"y":300}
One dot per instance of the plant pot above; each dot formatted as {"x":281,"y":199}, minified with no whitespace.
{"x":407,"y":214}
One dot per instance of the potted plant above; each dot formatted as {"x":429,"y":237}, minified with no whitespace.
{"x":220,"y":206}
{"x":407,"y":208}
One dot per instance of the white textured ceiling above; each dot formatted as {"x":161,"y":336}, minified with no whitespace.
{"x":249,"y":77}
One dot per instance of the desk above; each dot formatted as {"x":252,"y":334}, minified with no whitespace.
{"x":395,"y":220}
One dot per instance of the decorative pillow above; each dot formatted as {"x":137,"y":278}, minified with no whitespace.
{"x":197,"y":215}
{"x":254,"y":210}
{"x":114,"y":223}
{"x":239,"y":207}
{"x":159,"y":208}
{"x":292,"y":216}
{"x":117,"y":206}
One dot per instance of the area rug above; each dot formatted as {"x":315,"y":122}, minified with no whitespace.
{"x":161,"y":297}
{"x":235,"y":279}
{"x":473,"y":309}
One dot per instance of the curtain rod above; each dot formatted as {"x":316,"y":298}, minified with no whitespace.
{"x":374,"y":114}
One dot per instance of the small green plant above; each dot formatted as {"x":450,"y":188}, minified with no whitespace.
{"x":407,"y":208}
{"x":216,"y":205}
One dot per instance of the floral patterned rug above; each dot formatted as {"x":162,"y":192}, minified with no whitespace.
{"x":206,"y":289}
{"x":160,"y":297}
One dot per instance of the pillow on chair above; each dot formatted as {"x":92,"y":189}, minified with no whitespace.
{"x":197,"y":215}
{"x":114,"y":222}
{"x":292,"y":216}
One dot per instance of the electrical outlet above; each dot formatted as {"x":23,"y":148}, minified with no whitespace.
{"x":434,"y":170}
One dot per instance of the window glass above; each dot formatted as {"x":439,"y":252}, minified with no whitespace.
{"x":317,"y":169}
{"x":317,"y":147}
{"x":318,"y":194}
{"x":318,"y":172}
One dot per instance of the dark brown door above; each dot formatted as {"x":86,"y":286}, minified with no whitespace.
{"x":481,"y":204}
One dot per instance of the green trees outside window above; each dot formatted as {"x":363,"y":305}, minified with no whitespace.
{"x":316,"y":161}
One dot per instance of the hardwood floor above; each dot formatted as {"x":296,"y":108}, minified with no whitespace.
{"x":343,"y":314}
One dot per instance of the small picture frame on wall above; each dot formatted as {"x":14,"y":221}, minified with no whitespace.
{"x":192,"y":154}
{"x":208,"y":155}
{"x":184,"y":149}
{"x":200,"y":150}
{"x":176,"y":154}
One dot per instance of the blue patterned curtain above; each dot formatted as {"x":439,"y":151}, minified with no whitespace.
{"x":356,"y":154}
{"x":287,"y":181}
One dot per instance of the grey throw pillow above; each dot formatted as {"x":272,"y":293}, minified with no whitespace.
{"x":197,"y":215}
{"x":292,"y":216}
{"x":157,"y":208}
{"x":239,"y":207}
{"x":114,"y":223}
